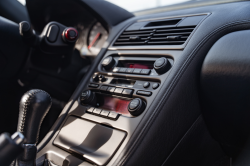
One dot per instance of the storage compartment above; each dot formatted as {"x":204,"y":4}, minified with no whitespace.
{"x":96,"y":143}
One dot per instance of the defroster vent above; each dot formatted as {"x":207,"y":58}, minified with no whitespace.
{"x":157,"y":36}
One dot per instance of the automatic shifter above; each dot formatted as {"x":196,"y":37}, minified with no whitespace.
{"x":34,"y":105}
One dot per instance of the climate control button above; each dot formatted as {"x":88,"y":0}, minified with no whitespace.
{"x":146,"y":84}
{"x":144,"y":93}
{"x":155,"y":85}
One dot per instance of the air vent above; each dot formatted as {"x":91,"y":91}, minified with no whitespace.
{"x":159,"y":36}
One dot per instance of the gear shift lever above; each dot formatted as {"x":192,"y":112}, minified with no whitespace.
{"x":34,"y":106}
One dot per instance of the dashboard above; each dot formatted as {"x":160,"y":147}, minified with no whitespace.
{"x":92,"y":33}
{"x":140,"y":101}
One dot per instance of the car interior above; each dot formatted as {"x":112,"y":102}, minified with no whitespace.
{"x":89,"y":83}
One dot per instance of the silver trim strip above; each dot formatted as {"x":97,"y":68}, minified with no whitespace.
{"x":163,"y":18}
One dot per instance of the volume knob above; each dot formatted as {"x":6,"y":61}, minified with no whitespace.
{"x":136,"y":106}
{"x":108,"y":62}
{"x":88,"y":97}
{"x":162,"y":65}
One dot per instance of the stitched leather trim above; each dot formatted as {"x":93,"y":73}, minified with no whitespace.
{"x":31,"y":95}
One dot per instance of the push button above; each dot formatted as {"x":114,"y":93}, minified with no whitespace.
{"x":118,"y":91}
{"x":111,"y":90}
{"x":104,"y":88}
{"x":93,"y":85}
{"x":127,"y":92}
{"x":155,"y":85}
{"x":113,"y":115}
{"x":130,"y":70}
{"x":145,"y":71}
{"x":144,"y":93}
{"x":116,"y":69}
{"x":104,"y":113}
{"x":90,"y":110}
{"x":122,"y":70}
{"x":52,"y":33}
{"x":146,"y":84}
{"x":137,"y":71}
{"x":97,"y":111}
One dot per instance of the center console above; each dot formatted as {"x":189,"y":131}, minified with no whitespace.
{"x":106,"y":113}
{"x":121,"y":91}
{"x":123,"y":85}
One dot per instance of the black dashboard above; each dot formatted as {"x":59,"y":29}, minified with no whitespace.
{"x":150,"y":95}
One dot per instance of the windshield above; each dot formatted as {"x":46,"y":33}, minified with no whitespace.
{"x":136,"y":5}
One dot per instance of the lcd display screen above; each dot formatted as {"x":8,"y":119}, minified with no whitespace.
{"x":137,"y":64}
{"x":110,"y":103}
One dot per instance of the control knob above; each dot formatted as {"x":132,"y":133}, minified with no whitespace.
{"x":162,"y":65}
{"x":70,"y":35}
{"x":136,"y":106}
{"x":88,"y":97}
{"x":102,"y":78}
{"x":96,"y":78}
{"x":108,"y":62}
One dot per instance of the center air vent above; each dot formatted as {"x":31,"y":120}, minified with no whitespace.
{"x":157,"y":36}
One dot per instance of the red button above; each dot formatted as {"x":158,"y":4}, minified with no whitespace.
{"x":71,"y":34}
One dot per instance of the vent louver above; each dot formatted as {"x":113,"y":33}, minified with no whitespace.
{"x":157,"y":36}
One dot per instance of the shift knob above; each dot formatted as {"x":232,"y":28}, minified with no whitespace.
{"x":34,"y":106}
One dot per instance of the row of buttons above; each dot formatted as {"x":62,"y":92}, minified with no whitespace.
{"x":103,"y":113}
{"x":123,"y":92}
{"x":131,"y":70}
{"x":117,"y":91}
{"x":154,"y":86}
